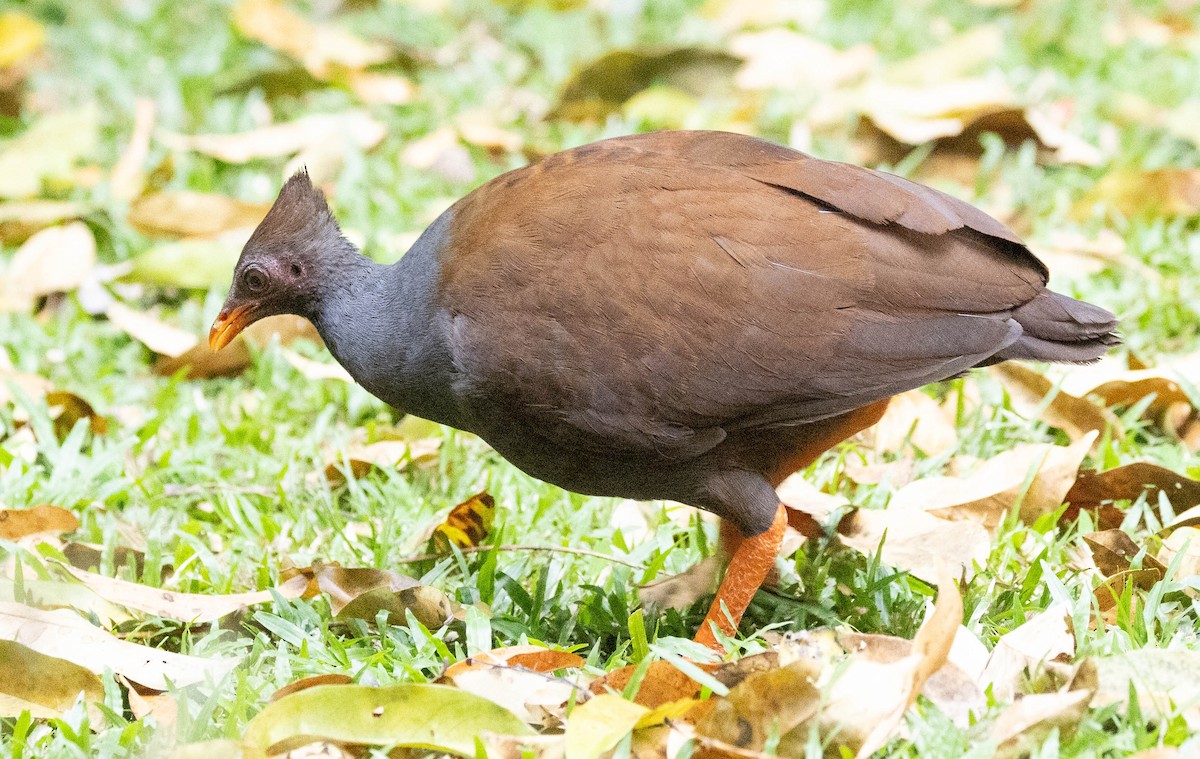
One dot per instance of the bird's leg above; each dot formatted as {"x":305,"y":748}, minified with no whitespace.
{"x":753,"y":558}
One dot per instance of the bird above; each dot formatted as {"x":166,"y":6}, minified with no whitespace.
{"x":688,"y":316}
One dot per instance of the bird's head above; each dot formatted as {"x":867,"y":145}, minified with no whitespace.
{"x":282,"y":262}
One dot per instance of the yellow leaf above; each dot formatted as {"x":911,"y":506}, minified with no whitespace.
{"x":467,"y":524}
{"x":598,"y":725}
{"x":20,"y":37}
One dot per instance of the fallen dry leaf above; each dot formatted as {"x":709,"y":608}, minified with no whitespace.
{"x":160,"y":337}
{"x":64,"y":409}
{"x":602,"y":86}
{"x":857,"y":694}
{"x":325,"y":50}
{"x":1071,"y":254}
{"x":20,"y":523}
{"x":288,"y":138}
{"x":1095,"y":491}
{"x":363,"y":592}
{"x":1015,"y":661}
{"x":780,"y":58}
{"x":467,"y":524}
{"x":1166,"y":681}
{"x":1114,"y":550}
{"x":1115,"y":384}
{"x":378,"y":88}
{"x":19,"y":220}
{"x":54,"y":260}
{"x":45,"y":686}
{"x":1033,"y":394}
{"x":128,"y":177}
{"x":186,"y":213}
{"x":534,"y":658}
{"x":440,"y":152}
{"x":917,"y":541}
{"x":1131,"y":192}
{"x":1024,"y":725}
{"x":914,"y":419}
{"x":383,"y":455}
{"x":186,"y":607}
{"x":20,"y":37}
{"x":535,"y":697}
{"x":1033,"y":477}
{"x":315,"y":370}
{"x":680,"y":591}
{"x":201,"y":362}
{"x":64,"y":634}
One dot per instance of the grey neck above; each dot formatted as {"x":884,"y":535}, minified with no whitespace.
{"x":381,"y":323}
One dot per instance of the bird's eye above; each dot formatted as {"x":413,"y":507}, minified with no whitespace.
{"x":255,"y":279}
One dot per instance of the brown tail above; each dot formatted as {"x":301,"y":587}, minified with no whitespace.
{"x":1060,"y":329}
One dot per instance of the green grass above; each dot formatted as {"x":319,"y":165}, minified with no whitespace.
{"x":212,"y":473}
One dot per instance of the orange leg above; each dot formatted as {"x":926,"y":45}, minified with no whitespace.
{"x":752,"y":560}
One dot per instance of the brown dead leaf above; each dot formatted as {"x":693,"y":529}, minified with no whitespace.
{"x":518,"y":680}
{"x":1033,"y":394}
{"x":1024,"y":725}
{"x":315,"y":370}
{"x":200,"y":362}
{"x":478,"y":127}
{"x":779,"y":58}
{"x":917,"y":541}
{"x":45,"y":686}
{"x":64,"y":634}
{"x":1116,"y":385}
{"x":1109,"y":592}
{"x":1113,"y":550}
{"x":382,"y":455}
{"x":128,"y":177}
{"x":325,"y":50}
{"x":680,"y":591}
{"x":20,"y":220}
{"x":1166,"y":681}
{"x":20,"y":523}
{"x":856,"y":697}
{"x":158,"y":336}
{"x":1132,"y":192}
{"x":602,"y":86}
{"x":999,"y":484}
{"x":288,"y":138}
{"x":64,"y":409}
{"x":186,"y":213}
{"x":186,"y":607}
{"x":914,"y":419}
{"x":54,"y":260}
{"x":378,"y":88}
{"x":534,"y":658}
{"x":1020,"y":653}
{"x":363,"y":592}
{"x":440,"y":152}
{"x":148,"y":702}
{"x":1071,"y":254}
{"x":1095,"y":491}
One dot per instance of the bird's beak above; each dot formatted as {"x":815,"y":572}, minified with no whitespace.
{"x":230,"y":322}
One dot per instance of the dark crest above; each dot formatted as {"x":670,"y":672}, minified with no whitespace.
{"x":300,"y":212}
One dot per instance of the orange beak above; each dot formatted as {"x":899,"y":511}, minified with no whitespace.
{"x":229,"y":325}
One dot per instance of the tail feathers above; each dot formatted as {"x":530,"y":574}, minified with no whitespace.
{"x":1060,"y":329}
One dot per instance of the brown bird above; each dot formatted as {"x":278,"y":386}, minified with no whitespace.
{"x":689,"y":316}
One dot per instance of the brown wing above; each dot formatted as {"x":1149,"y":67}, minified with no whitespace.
{"x":654,"y":292}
